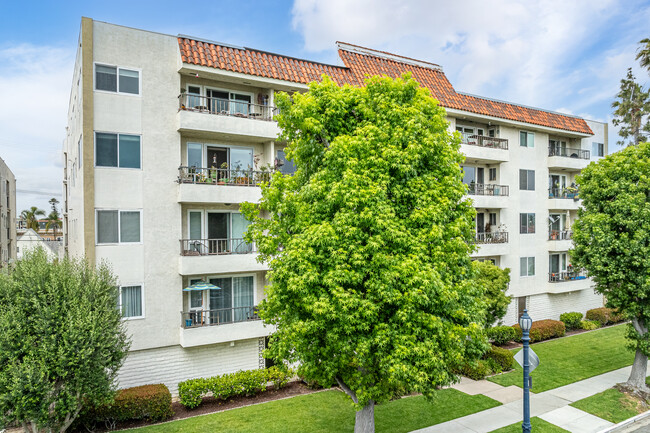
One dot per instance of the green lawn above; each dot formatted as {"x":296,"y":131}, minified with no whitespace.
{"x":537,"y":424}
{"x":571,"y":359}
{"x":331,"y":411}
{"x":612,"y":405}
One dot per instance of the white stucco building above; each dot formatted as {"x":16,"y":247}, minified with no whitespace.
{"x":167,"y":135}
{"x":7,"y":215}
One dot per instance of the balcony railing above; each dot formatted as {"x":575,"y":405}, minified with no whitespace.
{"x":559,"y":235}
{"x":484,"y":141}
{"x":222,"y":176}
{"x":221,"y":316}
{"x":563,"y":193}
{"x":562,"y":276}
{"x":215,"y":247}
{"x":492,"y":238}
{"x":225,"y":107}
{"x":568,"y":152}
{"x":488,"y":189}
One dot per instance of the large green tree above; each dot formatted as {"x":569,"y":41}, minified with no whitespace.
{"x":494,"y":281}
{"x":368,"y":243}
{"x":612,"y":241}
{"x":62,"y":341}
{"x":632,"y":106}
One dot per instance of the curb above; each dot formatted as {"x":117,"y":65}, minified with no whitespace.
{"x":627,"y":422}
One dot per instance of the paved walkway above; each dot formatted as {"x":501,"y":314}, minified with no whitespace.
{"x":552,"y":406}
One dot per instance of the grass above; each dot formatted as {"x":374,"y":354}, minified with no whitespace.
{"x":612,"y":405}
{"x":571,"y":359}
{"x":331,"y":411}
{"x":537,"y":424}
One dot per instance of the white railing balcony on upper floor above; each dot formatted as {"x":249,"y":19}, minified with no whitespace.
{"x":225,"y":107}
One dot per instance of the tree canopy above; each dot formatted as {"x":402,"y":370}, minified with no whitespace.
{"x":62,"y":341}
{"x":612,"y":240}
{"x":494,"y":281}
{"x":31,"y":217}
{"x":632,"y":106}
{"x":368,"y":243}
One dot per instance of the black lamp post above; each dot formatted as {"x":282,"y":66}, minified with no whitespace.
{"x":525,"y":322}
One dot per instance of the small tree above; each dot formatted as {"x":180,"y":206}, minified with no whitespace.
{"x":494,"y":281}
{"x":62,"y":341}
{"x":632,"y":108}
{"x":368,"y":243}
{"x":612,"y":242}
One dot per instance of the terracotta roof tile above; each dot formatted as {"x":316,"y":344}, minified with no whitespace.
{"x":360,"y":63}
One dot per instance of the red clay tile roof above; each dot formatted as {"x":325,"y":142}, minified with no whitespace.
{"x":359,"y":63}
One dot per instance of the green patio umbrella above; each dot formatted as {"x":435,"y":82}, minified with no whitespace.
{"x":201,"y":285}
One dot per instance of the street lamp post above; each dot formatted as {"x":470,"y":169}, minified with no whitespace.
{"x":525,"y":322}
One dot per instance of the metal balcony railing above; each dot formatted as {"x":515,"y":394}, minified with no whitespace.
{"x":568,"y":152}
{"x":571,"y":193}
{"x":210,"y":247}
{"x":488,"y":189}
{"x":221,"y":316}
{"x":559,"y":235}
{"x":562,"y":276}
{"x":225,"y":107}
{"x":222,"y":176}
{"x":492,"y":238}
{"x":484,"y":141}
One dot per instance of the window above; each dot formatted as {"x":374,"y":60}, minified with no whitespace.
{"x":492,"y":174}
{"x":521,"y":305}
{"x":131,"y":301}
{"x":284,"y":165}
{"x":527,"y":222}
{"x":117,"y":150}
{"x":492,"y":219}
{"x":196,"y":299}
{"x":526,"y":266}
{"x":234,"y":302}
{"x":527,"y":180}
{"x":115,"y":226}
{"x":114,"y":79}
{"x":597,"y":149}
{"x":526,"y":139}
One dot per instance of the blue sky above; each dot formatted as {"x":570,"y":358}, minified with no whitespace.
{"x":557,"y":55}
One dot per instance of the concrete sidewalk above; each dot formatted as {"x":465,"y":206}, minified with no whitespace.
{"x":552,"y":406}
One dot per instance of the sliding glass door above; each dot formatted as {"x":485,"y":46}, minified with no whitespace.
{"x":233,"y":302}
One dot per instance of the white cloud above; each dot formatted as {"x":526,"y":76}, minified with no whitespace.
{"x":35,"y":88}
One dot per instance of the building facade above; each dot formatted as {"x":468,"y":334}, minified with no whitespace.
{"x":7,"y":215}
{"x":168,"y":135}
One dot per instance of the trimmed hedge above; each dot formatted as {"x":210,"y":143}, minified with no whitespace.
{"x":241,"y":383}
{"x":504,"y":358}
{"x":605,"y":316}
{"x":590,"y":325}
{"x":571,"y":320}
{"x":543,"y":330}
{"x":500,"y":335}
{"x":478,"y":371}
{"x":495,"y":360}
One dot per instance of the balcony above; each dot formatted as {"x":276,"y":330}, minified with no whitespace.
{"x":566,"y":276}
{"x":481,"y":148}
{"x":219,"y":185}
{"x":216,"y":247}
{"x":568,"y":158}
{"x":239,"y":119}
{"x":491,"y":244}
{"x":222,"y":316}
{"x":213,"y":256}
{"x":489,"y":195}
{"x":203,"y":327}
{"x":563,"y":198}
{"x":492,"y":238}
{"x":559,"y":235}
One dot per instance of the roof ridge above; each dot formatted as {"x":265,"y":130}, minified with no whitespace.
{"x":345,"y":46}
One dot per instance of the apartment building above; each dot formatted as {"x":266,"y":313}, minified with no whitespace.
{"x":168,"y":135}
{"x":7,"y":214}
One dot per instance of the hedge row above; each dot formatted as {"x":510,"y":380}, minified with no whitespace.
{"x":543,"y":330}
{"x":495,"y":360}
{"x":241,"y":383}
{"x":500,"y":335}
{"x":605,"y":316}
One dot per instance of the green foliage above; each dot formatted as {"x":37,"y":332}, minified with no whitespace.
{"x":62,"y":340}
{"x":605,"y":316}
{"x":494,"y":281}
{"x":589,"y":325}
{"x":368,"y":242}
{"x":500,"y":335}
{"x":543,"y":330}
{"x":495,"y":360}
{"x":504,"y":358}
{"x":241,"y":383}
{"x":612,"y":405}
{"x":30,"y":216}
{"x":612,"y":235}
{"x":571,"y":320}
{"x":476,"y":370}
{"x":632,"y":107}
{"x":643,"y":54}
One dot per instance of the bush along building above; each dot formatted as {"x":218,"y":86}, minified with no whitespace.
{"x":167,"y":135}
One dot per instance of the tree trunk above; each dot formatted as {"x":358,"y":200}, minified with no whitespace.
{"x":638,"y":374}
{"x":365,"y":419}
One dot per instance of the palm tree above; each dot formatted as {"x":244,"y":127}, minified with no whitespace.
{"x":53,"y":222}
{"x":31,"y":217}
{"x":643,"y":54}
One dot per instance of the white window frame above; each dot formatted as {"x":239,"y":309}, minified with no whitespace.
{"x":527,"y":185}
{"x":207,"y":279}
{"x":593,"y":155}
{"x":527,"y":227}
{"x":204,"y":298}
{"x":203,"y":222}
{"x":142,"y":316}
{"x":119,"y":222}
{"x":117,"y":72}
{"x":204,"y":151}
{"x":528,"y":134}
{"x":118,"y":150}
{"x":527,"y":265}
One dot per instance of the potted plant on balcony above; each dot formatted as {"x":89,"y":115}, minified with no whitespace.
{"x":572,"y":192}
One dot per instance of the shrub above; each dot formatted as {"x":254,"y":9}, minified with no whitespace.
{"x":279,"y":377}
{"x":605,"y":315}
{"x":543,"y":330}
{"x":590,"y":325}
{"x":500,"y":335}
{"x":502,"y":357}
{"x":476,"y":371}
{"x":191,"y":392}
{"x":571,"y":320}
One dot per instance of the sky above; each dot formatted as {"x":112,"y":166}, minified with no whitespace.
{"x":557,"y":55}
